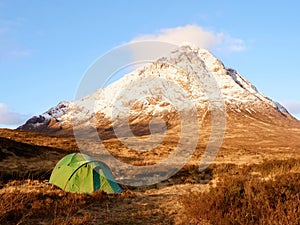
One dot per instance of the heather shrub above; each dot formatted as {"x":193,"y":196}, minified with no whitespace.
{"x":240,"y":198}
{"x":57,"y":206}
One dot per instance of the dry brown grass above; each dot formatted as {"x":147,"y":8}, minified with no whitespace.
{"x":37,"y":139}
{"x":34,"y":202}
{"x":255,"y":180}
{"x":267,"y":193}
{"x":28,"y":202}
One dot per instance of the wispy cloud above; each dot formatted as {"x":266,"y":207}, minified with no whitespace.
{"x":197,"y":36}
{"x":21,"y":52}
{"x":2,"y":31}
{"x":293,"y":107}
{"x":9,"y":47}
{"x":9,"y":117}
{"x":229,"y":44}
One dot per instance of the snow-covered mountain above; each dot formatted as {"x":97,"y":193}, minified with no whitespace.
{"x":161,"y":89}
{"x":38,"y":123}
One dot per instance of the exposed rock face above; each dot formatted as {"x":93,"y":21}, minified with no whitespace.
{"x":48,"y":119}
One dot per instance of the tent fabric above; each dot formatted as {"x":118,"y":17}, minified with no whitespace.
{"x":79,"y":173}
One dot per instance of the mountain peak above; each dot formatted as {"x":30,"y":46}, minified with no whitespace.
{"x":188,"y":68}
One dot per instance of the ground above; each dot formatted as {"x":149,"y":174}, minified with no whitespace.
{"x":256,"y":150}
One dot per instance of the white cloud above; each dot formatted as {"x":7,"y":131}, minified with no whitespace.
{"x":197,"y":36}
{"x":293,"y":107}
{"x":8,"y":117}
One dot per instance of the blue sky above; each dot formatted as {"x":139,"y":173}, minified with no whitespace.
{"x":46,"y":46}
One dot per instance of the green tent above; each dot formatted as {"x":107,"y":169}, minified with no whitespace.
{"x":82,"y":174}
